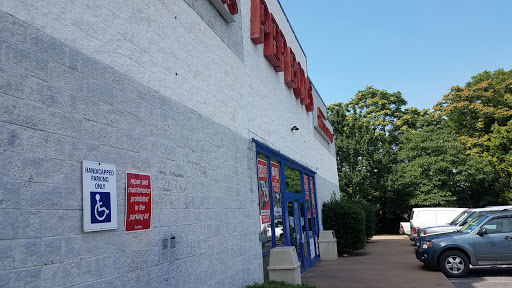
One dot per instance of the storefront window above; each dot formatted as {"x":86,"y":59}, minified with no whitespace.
{"x":277,"y":197}
{"x":292,"y":180}
{"x":265,"y":195}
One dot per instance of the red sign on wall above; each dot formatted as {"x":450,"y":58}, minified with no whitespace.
{"x":138,"y":201}
{"x":325,"y":131}
{"x":265,"y":30}
{"x":264,"y":192}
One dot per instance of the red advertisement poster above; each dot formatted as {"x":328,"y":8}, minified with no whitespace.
{"x":263,"y":191}
{"x":306,"y":189}
{"x":276,"y":188}
{"x":313,"y":195}
{"x":138,"y":201}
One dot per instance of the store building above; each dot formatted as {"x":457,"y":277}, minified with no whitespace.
{"x":156,"y":143}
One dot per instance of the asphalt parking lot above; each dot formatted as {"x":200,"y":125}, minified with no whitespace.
{"x":389,"y":261}
{"x":485,"y":277}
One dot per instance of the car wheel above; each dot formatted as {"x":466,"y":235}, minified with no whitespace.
{"x":454,"y":264}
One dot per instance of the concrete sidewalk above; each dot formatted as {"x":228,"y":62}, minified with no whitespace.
{"x":388,"y":261}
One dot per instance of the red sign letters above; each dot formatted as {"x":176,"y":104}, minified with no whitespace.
{"x":321,"y":124}
{"x":266,"y":31}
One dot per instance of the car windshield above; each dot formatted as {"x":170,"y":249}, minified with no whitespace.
{"x":472,"y":224}
{"x":471,"y":216}
{"x":459,"y":217}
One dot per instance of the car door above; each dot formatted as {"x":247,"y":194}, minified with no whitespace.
{"x":495,"y":246}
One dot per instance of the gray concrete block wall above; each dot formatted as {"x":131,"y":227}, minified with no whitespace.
{"x":167,"y":46}
{"x":60,"y":107}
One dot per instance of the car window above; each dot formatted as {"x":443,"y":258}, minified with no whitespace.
{"x":499,"y":225}
{"x":471,"y":225}
{"x":459,"y":218}
{"x":472,"y":216}
{"x":492,"y":226}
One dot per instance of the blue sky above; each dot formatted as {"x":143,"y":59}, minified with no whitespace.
{"x":418,"y":47}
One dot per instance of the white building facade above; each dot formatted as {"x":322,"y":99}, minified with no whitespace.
{"x":228,"y":135}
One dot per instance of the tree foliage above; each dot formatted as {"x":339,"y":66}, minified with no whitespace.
{"x":481,"y":114}
{"x":365,"y":130}
{"x":472,"y":110}
{"x":435,"y":170}
{"x":458,"y":154}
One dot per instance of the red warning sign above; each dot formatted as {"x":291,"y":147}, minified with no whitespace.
{"x":138,"y":201}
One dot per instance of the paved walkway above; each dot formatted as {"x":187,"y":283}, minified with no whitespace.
{"x":388,"y":261}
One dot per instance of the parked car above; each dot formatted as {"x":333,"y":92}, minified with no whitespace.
{"x":405,"y":228}
{"x":485,"y":240}
{"x":454,"y":225}
{"x":458,"y":222}
{"x":430,"y":216}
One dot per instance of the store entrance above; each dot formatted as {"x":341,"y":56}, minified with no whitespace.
{"x":297,"y":232}
{"x":287,"y":205}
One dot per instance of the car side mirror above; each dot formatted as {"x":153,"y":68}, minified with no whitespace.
{"x":481,"y":231}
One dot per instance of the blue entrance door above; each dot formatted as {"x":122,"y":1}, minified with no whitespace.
{"x":297,"y":232}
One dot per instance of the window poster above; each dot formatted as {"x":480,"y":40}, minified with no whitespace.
{"x":276,"y":189}
{"x":306,"y":189}
{"x":263,"y":191}
{"x":313,"y":195}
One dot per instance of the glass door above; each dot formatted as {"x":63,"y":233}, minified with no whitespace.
{"x":309,"y":189}
{"x":294,"y":236}
{"x":304,"y":262}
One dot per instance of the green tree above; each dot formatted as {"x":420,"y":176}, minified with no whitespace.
{"x":366,"y":130}
{"x":481,"y":113}
{"x":472,"y":110}
{"x":434,"y":170}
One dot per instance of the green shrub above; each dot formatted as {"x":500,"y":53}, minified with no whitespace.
{"x":276,"y":284}
{"x":347,"y":219}
{"x":370,"y":219}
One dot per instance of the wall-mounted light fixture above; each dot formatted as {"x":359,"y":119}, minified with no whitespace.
{"x":294,"y":128}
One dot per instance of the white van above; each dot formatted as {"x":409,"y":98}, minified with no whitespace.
{"x":431,"y":216}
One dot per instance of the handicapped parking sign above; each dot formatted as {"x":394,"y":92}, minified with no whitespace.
{"x":100,"y":207}
{"x":99,"y":196}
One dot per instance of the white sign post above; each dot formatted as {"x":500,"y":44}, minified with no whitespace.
{"x":99,"y":196}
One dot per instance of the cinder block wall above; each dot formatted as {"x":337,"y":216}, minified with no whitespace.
{"x":149,"y":87}
{"x":60,"y":107}
{"x":167,"y":46}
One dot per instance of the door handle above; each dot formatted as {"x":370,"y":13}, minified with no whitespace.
{"x":507,"y":238}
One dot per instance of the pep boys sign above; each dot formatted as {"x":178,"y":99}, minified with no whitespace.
{"x":266,"y":31}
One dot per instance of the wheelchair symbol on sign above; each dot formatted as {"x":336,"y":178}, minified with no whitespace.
{"x":98,"y":209}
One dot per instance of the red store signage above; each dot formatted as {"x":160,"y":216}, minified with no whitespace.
{"x":322,"y":126}
{"x":266,"y":31}
{"x":138,"y":201}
